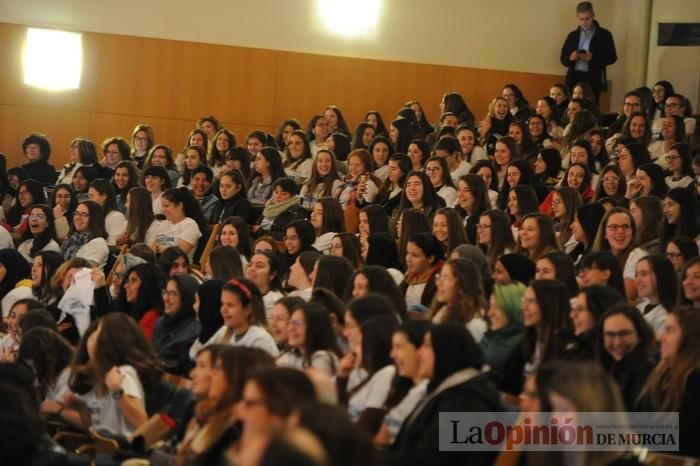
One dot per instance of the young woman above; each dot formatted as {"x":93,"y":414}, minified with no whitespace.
{"x":547,"y":328}
{"x":679,"y":250}
{"x":140,"y":296}
{"x":537,"y":236}
{"x":537,"y":125}
{"x":82,"y":177}
{"x":611,"y":184}
{"x":359,"y":186}
{"x":311,"y":340}
{"x":212,"y":430}
{"x":365,"y":373}
{"x":29,"y":193}
{"x":448,"y":229}
{"x":439,"y":175}
{"x":177,"y":328}
{"x":161,"y":155}
{"x":424,"y":260}
{"x":336,"y":120}
{"x":323,"y":182}
{"x":235,"y":232}
{"x":487,"y":172}
{"x":283,"y":207}
{"x":625,"y":342}
{"x":632,"y":155}
{"x":565,"y":203}
{"x":389,"y":195}
{"x":265,"y":272}
{"x":114,"y":369}
{"x":222,"y":141}
{"x":460,"y":297}
{"x":648,"y":181}
{"x":468,"y":143}
{"x":519,"y":132}
{"x":364,"y":134}
{"x":124,"y":178}
{"x":279,"y":323}
{"x":243,"y":312}
{"x":82,"y":152}
{"x":233,"y":199}
{"x":207,"y":308}
{"x":347,"y":245}
{"x":156,"y":181}
{"x":577,"y":176}
{"x":636,"y":127}
{"x":328,"y":220}
{"x":472,"y":201}
{"x":139,"y":217}
{"x":675,"y":379}
{"x":225,"y":263}
{"x":495,"y":125}
{"x":418,"y":152}
{"x":377,"y":279}
{"x":299,"y":237}
{"x":557,"y":266}
{"x":522,"y":200}
{"x":183,"y":224}
{"x":690,"y":283}
{"x":63,"y":203}
{"x":87,"y":238}
{"x":142,"y":139}
{"x":680,"y":167}
{"x":505,"y":332}
{"x":297,"y":157}
{"x":657,"y":287}
{"x":495,"y":236}
{"x":41,"y":234}
{"x":680,"y":210}
{"x":332,"y":273}
{"x":648,"y":220}
{"x":505,"y":151}
{"x":672,"y":133}
{"x":381,"y":149}
{"x":102,"y":193}
{"x":617,"y":234}
{"x":454,"y":380}
{"x":316,"y":132}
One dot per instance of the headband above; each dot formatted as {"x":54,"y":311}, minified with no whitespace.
{"x":242,"y":287}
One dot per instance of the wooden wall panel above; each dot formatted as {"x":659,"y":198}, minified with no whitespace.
{"x":169,"y":84}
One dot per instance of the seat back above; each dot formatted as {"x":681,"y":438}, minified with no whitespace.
{"x":210,"y":244}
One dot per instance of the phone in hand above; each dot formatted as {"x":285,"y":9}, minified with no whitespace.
{"x":582,"y":52}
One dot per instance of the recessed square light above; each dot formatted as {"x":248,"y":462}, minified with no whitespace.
{"x":53,"y":59}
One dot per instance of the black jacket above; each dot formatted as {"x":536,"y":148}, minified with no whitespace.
{"x":279,"y":225}
{"x":418,"y":440}
{"x":41,"y":171}
{"x":602,"y":47}
{"x":631,"y":373}
{"x":238,"y":206}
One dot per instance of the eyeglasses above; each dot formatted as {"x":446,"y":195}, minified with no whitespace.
{"x":614,"y":226}
{"x":672,"y":105}
{"x":620,"y":334}
{"x":169,"y":293}
{"x":81,"y":214}
{"x":632,"y":104}
{"x":481,"y":226}
{"x":674,"y":255}
{"x":670,"y":157}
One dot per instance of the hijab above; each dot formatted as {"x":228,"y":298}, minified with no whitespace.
{"x":210,"y":308}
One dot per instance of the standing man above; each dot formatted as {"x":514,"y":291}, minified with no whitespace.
{"x":587,"y":51}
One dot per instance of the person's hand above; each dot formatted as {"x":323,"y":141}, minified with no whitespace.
{"x":346,"y":365}
{"x":362,"y":187}
{"x":50,"y":407}
{"x":98,"y":277}
{"x":72,"y":401}
{"x":113,"y":379}
{"x":122,"y":239}
{"x":574,"y":55}
{"x":58,"y":211}
{"x":484,"y":126}
{"x":633,"y":188}
{"x":8,"y":354}
{"x":588,"y":56}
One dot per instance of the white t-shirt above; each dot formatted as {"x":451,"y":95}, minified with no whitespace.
{"x":269,"y":299}
{"x":478,"y":153}
{"x":115,"y":224}
{"x":461,"y":170}
{"x":58,"y":391}
{"x":449,"y":194}
{"x":372,"y":394}
{"x":26,"y":245}
{"x":631,"y":265}
{"x":301,"y":172}
{"x":321,"y":360}
{"x":166,"y":233}
{"x":656,"y":317}
{"x":157,"y":204}
{"x":414,"y":293}
{"x":255,"y":337}
{"x":95,"y":250}
{"x":105,"y":412}
{"x":398,"y":414}
{"x":382,"y":172}
{"x":6,"y":239}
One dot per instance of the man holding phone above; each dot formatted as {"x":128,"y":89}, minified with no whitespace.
{"x":587,"y":51}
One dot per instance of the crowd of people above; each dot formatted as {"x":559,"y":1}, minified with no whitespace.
{"x":322,"y":294}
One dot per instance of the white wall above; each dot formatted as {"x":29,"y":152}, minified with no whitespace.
{"x":491,"y":34}
{"x":679,"y":65}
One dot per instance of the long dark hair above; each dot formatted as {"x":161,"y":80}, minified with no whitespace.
{"x":553,"y":300}
{"x":140,"y":214}
{"x":191,"y":207}
{"x":380,"y":281}
{"x":455,"y":349}
{"x":319,"y":331}
{"x":46,"y":236}
{"x":149,"y":297}
{"x":105,"y":188}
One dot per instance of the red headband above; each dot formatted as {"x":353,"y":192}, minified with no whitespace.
{"x":242,"y":287}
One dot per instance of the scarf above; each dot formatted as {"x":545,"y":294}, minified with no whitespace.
{"x":74,"y":242}
{"x":273,"y":209}
{"x":417,"y":279}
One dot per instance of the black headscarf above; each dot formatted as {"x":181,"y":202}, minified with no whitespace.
{"x":187,"y":286}
{"x":16,"y":267}
{"x":210,"y":308}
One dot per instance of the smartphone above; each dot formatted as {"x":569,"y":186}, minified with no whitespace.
{"x":582,"y":52}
